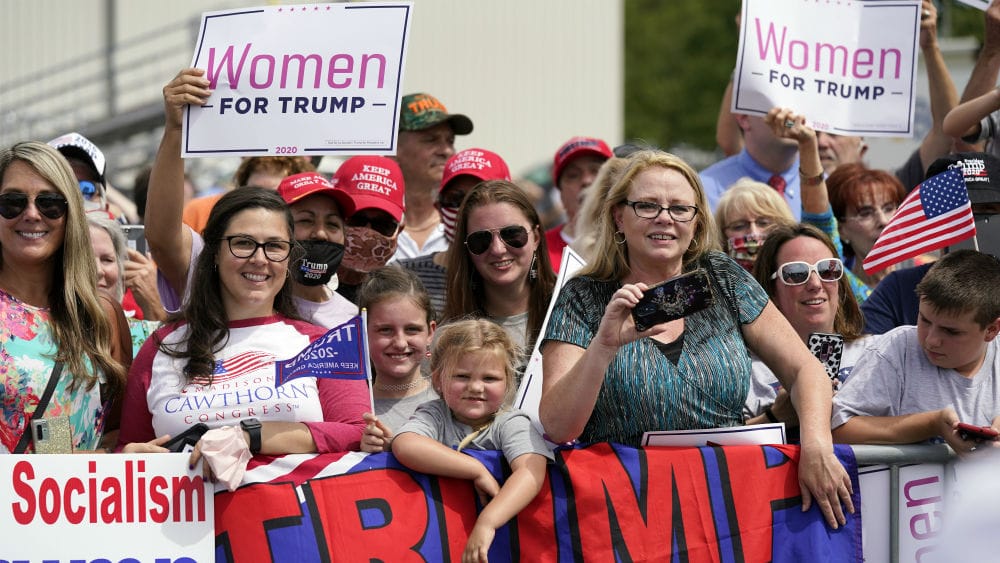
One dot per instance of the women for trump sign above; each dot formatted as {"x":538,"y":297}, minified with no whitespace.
{"x":848,"y":66}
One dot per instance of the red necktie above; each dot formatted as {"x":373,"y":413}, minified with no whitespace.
{"x":778,"y":183}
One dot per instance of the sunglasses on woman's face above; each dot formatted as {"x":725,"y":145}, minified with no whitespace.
{"x":384,"y":225}
{"x":514,"y":236}
{"x":51,"y":205}
{"x":797,"y":273}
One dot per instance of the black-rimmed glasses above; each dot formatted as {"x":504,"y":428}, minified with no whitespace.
{"x":51,"y":205}
{"x":242,"y":246}
{"x":514,"y":236}
{"x":652,"y":210}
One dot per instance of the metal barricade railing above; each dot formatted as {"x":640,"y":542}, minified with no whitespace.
{"x":896,"y":456}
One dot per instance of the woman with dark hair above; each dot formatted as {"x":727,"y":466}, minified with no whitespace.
{"x":58,"y":330}
{"x":799,"y":269}
{"x":214,"y":361}
{"x":607,"y":380}
{"x":504,"y":273}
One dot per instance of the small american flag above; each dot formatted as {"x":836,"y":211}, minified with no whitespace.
{"x":935,"y":214}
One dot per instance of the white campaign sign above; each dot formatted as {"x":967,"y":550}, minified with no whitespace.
{"x":849,"y":67}
{"x":529,"y":394}
{"x":113,"y":507}
{"x":306,"y":80}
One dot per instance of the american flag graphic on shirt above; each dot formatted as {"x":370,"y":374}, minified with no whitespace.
{"x":241,"y":364}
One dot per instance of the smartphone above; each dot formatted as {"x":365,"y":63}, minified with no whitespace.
{"x":829,"y":350}
{"x":135,"y":236}
{"x":185,"y":441}
{"x":972,"y":432}
{"x":672,"y":299}
{"x":52,"y":435}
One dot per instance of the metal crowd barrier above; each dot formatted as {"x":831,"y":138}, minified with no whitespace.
{"x":895,"y":457}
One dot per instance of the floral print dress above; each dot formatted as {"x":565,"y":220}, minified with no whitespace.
{"x":27,"y":352}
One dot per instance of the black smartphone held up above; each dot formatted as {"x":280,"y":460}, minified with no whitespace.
{"x":185,"y":441}
{"x":135,"y":236}
{"x":829,"y":350}
{"x":973,"y":432}
{"x":672,"y":299}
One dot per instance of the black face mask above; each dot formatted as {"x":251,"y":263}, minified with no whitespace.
{"x":320,"y":262}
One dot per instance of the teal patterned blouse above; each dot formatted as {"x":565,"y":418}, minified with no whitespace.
{"x":645,"y":391}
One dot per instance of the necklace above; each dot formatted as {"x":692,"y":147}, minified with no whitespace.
{"x":428,"y":225}
{"x":401,"y":386}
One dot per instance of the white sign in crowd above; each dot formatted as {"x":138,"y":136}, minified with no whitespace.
{"x":849,"y":67}
{"x":309,"y":79}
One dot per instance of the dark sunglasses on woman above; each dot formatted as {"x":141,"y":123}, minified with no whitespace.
{"x":797,"y":273}
{"x":514,"y":236}
{"x":51,"y":205}
{"x":383,"y":225}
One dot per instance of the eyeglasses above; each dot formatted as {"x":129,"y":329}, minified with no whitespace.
{"x":762,"y":224}
{"x":51,"y":205}
{"x":382,"y":225}
{"x":514,"y":236}
{"x":867,"y":213}
{"x":797,"y":273}
{"x":652,"y":210}
{"x":242,"y":246}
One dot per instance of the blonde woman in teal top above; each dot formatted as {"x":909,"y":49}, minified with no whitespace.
{"x":605,"y":380}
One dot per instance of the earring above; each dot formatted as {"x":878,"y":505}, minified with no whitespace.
{"x":616,"y":238}
{"x":533,"y":269}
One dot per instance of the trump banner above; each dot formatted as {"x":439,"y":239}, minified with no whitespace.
{"x":602,"y":502}
{"x":338,"y":354}
{"x":849,"y":67}
{"x":305,"y":79}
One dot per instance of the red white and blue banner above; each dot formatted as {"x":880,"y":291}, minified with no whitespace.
{"x":600,"y":503}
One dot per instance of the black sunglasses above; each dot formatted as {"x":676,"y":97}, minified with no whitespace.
{"x":382,"y":225}
{"x":514,"y":236}
{"x":51,"y":205}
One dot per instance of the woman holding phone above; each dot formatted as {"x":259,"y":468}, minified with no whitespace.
{"x":799,"y":268}
{"x":606,"y":381}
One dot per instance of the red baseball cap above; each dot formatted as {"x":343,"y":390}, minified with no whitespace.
{"x":577,"y":146}
{"x":297,"y":186}
{"x":479,"y":163}
{"x":372,"y":182}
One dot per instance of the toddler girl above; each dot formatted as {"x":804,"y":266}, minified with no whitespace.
{"x":472,"y":368}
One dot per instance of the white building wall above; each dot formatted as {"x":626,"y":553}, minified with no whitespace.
{"x":529,"y":74}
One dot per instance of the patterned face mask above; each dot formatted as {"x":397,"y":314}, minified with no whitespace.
{"x":366,"y":249}
{"x":744,"y":249}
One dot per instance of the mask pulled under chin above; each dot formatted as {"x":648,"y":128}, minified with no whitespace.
{"x":744,"y":249}
{"x":365,"y":251}
{"x":320,"y":263}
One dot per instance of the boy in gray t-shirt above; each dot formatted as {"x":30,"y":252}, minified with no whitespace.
{"x":918,"y":383}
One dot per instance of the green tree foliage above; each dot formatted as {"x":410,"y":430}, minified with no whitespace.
{"x":678,"y":58}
